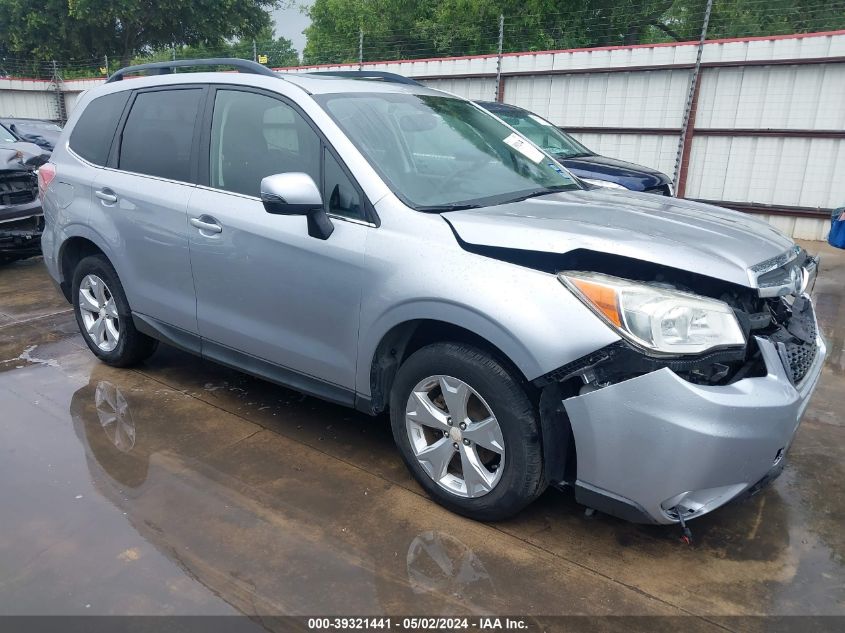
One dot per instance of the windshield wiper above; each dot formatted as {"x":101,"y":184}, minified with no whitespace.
{"x":442,"y":208}
{"x":540,"y":192}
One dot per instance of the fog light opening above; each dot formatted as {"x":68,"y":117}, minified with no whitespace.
{"x":686,"y":534}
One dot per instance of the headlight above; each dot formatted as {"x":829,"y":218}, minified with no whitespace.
{"x":605,"y":184}
{"x":659,"y":319}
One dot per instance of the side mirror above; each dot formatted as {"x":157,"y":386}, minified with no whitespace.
{"x":295,"y":193}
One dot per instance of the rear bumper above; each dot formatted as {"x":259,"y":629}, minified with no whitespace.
{"x":657,"y":443}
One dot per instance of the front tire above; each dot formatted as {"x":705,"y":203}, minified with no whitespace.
{"x":104,"y":316}
{"x":467,"y":431}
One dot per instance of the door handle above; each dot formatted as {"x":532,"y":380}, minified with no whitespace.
{"x":106,"y":195}
{"x":207,"y":224}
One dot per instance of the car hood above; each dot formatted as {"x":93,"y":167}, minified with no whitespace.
{"x":629,"y":175}
{"x":603,"y":164}
{"x":31,"y":155}
{"x":682,"y":234}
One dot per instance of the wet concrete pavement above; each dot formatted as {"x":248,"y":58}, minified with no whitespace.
{"x":180,"y":487}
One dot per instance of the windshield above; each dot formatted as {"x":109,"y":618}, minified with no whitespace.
{"x":6,"y":136}
{"x":543,"y":133}
{"x":437,"y":152}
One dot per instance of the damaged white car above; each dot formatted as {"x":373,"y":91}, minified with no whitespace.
{"x":20,"y":208}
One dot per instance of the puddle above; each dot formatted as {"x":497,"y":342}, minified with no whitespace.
{"x":182,"y":487}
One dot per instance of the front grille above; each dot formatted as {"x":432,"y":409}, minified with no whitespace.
{"x":17,"y":188}
{"x":796,"y":343}
{"x":797,"y":358}
{"x":17,"y":197}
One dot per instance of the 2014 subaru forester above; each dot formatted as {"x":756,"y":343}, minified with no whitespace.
{"x":397,"y":249}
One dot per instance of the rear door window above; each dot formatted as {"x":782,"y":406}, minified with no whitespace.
{"x":159,"y":133}
{"x":92,"y":136}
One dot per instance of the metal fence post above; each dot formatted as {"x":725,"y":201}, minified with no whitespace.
{"x":254,"y":51}
{"x":106,"y":65}
{"x":360,"y":49}
{"x":56,"y":80}
{"x":500,"y":88}
{"x":690,"y":109}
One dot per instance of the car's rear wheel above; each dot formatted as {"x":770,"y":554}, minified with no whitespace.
{"x":467,"y":431}
{"x":104,"y":317}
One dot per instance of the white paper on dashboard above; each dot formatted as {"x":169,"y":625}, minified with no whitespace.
{"x":524,"y":147}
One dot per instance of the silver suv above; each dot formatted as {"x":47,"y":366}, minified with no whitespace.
{"x":397,"y":249}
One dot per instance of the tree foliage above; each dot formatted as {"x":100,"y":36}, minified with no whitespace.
{"x":397,"y":29}
{"x":74,"y":29}
{"x":279,"y":51}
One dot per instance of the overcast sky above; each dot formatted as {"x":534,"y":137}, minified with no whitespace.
{"x":291,"y":22}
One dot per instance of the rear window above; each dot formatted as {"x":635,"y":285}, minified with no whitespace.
{"x":92,"y":136}
{"x":159,"y":132}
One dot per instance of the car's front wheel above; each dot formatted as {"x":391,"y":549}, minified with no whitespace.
{"x":104,"y":317}
{"x":467,"y":431}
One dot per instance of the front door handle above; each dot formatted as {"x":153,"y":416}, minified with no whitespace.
{"x":206,"y":224}
{"x":106,"y":195}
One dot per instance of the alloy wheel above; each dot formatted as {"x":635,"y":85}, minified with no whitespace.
{"x":455,"y":436}
{"x":99,"y":313}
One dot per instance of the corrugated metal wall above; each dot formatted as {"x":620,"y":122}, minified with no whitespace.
{"x":769,"y":116}
{"x":648,"y":99}
{"x":30,"y":99}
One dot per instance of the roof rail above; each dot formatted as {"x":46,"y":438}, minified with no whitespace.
{"x":369,"y":74}
{"x":166,"y":68}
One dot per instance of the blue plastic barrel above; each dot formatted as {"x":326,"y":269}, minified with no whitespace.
{"x":837,"y":228}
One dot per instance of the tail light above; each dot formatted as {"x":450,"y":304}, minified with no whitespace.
{"x":46,"y":173}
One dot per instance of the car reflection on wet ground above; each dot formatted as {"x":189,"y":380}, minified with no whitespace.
{"x":181,"y":487}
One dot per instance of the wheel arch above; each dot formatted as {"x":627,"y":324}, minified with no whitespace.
{"x":407,"y":326}
{"x":405,"y":337}
{"x":74,"y":248}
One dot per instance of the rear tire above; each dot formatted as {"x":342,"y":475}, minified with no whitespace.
{"x":104,"y":316}
{"x":498,"y":483}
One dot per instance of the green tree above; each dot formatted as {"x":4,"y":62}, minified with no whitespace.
{"x":279,"y":51}
{"x":394,"y":29}
{"x":66,"y":29}
{"x":390,"y":30}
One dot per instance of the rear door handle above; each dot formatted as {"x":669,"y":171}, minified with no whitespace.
{"x":206,"y":224}
{"x":106,"y":195}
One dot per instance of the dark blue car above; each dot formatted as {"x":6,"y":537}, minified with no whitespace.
{"x":593,"y":169}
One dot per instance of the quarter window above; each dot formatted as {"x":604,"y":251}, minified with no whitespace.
{"x":254,"y":136}
{"x":159,"y":133}
{"x":93,"y":133}
{"x":340,"y":196}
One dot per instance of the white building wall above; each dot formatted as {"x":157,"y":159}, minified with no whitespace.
{"x":26,"y":98}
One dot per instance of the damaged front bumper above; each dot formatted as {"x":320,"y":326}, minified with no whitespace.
{"x":21,"y":238}
{"x":657,"y":445}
